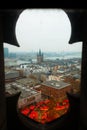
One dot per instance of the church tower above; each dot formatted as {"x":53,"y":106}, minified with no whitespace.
{"x":39,"y":57}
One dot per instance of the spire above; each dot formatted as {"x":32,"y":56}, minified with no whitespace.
{"x":39,"y":56}
{"x":39,"y":52}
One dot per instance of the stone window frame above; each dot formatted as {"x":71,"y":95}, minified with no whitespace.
{"x":78,"y":20}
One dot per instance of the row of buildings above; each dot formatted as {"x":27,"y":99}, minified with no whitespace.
{"x":42,"y":79}
{"x":38,"y":91}
{"x":7,"y":54}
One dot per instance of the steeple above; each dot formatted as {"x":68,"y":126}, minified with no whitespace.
{"x":39,"y":56}
{"x":40,"y":52}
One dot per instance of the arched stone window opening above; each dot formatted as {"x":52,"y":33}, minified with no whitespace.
{"x":83,"y":38}
{"x":34,"y":28}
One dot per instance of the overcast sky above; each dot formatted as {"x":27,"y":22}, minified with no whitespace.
{"x":45,"y":29}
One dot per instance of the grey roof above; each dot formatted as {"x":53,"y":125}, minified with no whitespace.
{"x":55,"y":84}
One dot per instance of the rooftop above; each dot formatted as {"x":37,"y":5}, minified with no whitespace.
{"x":56,"y":84}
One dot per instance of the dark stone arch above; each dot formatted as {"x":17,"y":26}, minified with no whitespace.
{"x":78,"y":20}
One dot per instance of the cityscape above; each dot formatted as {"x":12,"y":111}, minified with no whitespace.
{"x":42,"y":77}
{"x":43,"y":80}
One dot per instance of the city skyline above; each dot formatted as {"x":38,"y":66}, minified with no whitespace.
{"x":44,"y":52}
{"x":48,"y":30}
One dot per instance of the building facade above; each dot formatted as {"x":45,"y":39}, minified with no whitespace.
{"x":6,"y":52}
{"x":54,"y":88}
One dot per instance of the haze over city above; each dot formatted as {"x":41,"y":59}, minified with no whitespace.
{"x":46,"y":29}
